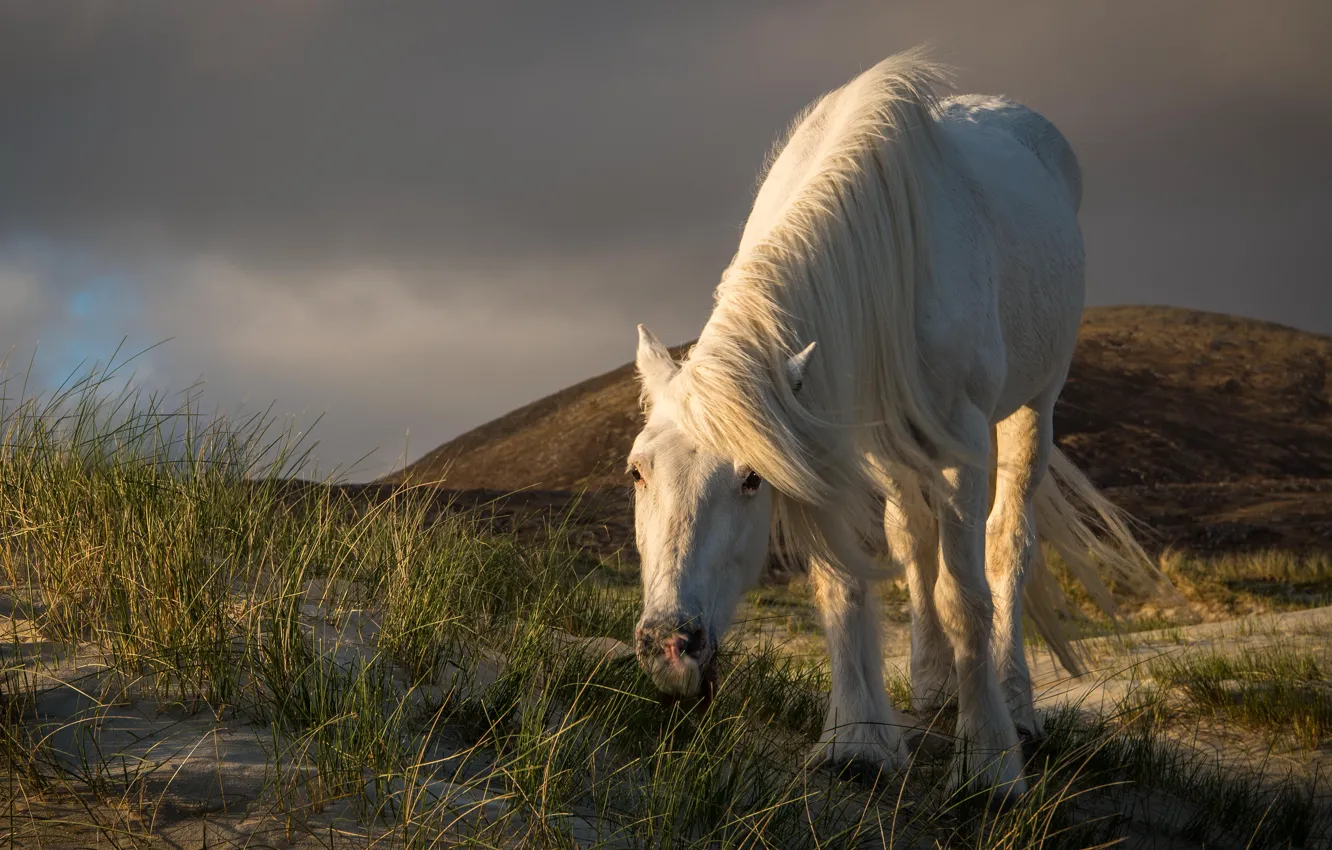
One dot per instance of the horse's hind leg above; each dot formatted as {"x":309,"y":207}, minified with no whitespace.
{"x":1024,"y":442}
{"x":989,"y":753}
{"x":912,"y":532}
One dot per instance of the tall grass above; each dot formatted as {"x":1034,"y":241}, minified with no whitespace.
{"x":1248,"y":582}
{"x":1284,"y":693}
{"x":423,"y":675}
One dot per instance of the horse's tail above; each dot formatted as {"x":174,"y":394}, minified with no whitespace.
{"x":1093,"y":538}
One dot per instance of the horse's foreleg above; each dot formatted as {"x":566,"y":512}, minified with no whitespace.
{"x":861,"y":727}
{"x":912,"y":532}
{"x":1024,"y":441}
{"x":988,"y":744}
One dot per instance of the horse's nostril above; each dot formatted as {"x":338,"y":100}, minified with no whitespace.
{"x":687,"y":644}
{"x":675,"y":647}
{"x":673,"y":642}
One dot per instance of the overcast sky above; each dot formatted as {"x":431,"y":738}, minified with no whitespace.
{"x":417,"y":216}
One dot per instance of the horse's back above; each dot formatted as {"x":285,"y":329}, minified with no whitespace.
{"x":1027,"y":179}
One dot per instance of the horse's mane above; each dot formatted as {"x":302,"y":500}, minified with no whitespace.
{"x":839,"y":265}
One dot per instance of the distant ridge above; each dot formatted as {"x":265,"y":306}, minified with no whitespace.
{"x":1188,"y":416}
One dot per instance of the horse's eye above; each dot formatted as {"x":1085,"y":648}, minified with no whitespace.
{"x":638,"y":476}
{"x":751,"y":483}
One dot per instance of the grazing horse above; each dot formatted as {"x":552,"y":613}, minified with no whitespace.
{"x":893,"y":330}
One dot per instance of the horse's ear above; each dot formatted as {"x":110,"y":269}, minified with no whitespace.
{"x":654,"y":362}
{"x":798,"y":365}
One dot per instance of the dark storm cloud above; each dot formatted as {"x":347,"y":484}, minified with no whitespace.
{"x":322,"y":131}
{"x":411,"y":133}
{"x":422,"y":214}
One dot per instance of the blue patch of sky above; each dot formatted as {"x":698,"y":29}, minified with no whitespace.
{"x":94,"y":320}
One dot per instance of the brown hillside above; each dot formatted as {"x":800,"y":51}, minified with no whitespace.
{"x":1216,"y":430}
{"x":576,"y":438}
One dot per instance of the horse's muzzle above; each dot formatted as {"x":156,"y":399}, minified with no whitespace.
{"x":679,"y":659}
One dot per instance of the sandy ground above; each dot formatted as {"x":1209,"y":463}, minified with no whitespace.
{"x":195,"y":778}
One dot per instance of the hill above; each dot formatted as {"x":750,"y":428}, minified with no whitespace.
{"x":1214,"y":430}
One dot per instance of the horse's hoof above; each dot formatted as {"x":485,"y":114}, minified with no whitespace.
{"x":994,"y":778}
{"x":868,"y":761}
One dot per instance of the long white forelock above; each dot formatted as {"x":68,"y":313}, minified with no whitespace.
{"x":830,"y":448}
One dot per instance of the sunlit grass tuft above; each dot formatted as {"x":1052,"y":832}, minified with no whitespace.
{"x":1284,"y":693}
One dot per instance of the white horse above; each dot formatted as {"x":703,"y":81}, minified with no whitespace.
{"x":895,"y":326}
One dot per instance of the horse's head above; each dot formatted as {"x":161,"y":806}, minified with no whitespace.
{"x":701,"y":523}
